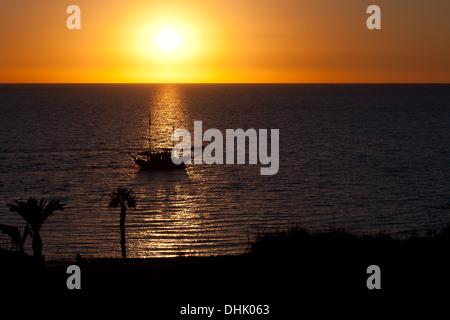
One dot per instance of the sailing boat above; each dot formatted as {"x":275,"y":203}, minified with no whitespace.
{"x":155,"y":158}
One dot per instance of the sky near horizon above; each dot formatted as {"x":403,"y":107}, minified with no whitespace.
{"x":237,"y":41}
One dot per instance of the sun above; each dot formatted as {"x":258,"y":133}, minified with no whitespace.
{"x":168,"y":40}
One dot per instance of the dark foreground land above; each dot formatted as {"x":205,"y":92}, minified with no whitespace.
{"x":291,"y":271}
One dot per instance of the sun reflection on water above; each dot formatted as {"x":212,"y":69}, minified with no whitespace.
{"x":169,"y":221}
{"x":167,"y":110}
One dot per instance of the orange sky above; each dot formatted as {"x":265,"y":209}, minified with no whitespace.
{"x":225,"y":41}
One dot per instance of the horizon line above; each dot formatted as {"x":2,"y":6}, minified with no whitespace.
{"x":159,"y":83}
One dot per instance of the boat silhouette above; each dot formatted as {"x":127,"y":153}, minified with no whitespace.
{"x":155,"y":158}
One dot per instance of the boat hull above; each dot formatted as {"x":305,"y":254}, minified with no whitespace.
{"x":156,"y":165}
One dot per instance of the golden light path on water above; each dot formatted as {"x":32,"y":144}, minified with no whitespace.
{"x":174,"y":225}
{"x":167,"y":110}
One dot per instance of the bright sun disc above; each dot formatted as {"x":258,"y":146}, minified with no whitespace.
{"x":168,"y":40}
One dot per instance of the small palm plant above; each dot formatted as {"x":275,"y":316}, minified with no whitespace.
{"x":35,"y":213}
{"x":125,"y":199}
{"x":17,"y":238}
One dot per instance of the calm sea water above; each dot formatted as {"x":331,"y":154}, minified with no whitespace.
{"x":367,"y":158}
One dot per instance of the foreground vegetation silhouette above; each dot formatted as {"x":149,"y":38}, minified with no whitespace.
{"x":125,"y":199}
{"x":35,"y":213}
{"x":281,"y":268}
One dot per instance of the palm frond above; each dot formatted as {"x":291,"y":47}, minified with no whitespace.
{"x":50,"y":208}
{"x":35,"y":212}
{"x":115,"y":201}
{"x":131,"y":202}
{"x":24,"y":209}
{"x":122,"y":197}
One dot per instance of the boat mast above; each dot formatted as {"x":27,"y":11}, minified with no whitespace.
{"x":173,"y":130}
{"x":149,"y":136}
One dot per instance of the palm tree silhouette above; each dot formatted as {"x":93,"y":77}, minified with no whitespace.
{"x":35,"y":213}
{"x":124,"y":198}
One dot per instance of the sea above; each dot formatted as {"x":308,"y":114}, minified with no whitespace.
{"x":367,"y":158}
